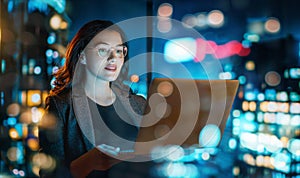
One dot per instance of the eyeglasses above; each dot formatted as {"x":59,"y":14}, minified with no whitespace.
{"x":105,"y":51}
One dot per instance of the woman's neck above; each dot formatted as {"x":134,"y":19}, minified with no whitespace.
{"x":99,"y":90}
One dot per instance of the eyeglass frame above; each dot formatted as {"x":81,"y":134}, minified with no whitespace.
{"x":110,"y":49}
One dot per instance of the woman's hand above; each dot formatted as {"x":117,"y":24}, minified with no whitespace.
{"x":92,"y":160}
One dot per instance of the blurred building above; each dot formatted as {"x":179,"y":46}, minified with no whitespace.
{"x":33,"y":38}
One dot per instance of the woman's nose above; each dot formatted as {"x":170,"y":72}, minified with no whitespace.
{"x":111,"y":59}
{"x":112,"y":54}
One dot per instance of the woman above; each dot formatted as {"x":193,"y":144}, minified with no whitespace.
{"x":91,"y":104}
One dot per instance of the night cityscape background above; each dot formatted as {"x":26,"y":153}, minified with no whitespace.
{"x":253,"y":41}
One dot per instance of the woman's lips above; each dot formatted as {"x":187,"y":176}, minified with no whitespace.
{"x":111,"y":67}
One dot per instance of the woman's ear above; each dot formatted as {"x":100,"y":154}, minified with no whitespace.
{"x":82,"y":58}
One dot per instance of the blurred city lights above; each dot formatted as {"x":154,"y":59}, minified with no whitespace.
{"x":3,"y":63}
{"x":225,"y":75}
{"x":164,"y":13}
{"x":295,"y":108}
{"x":215,"y":18}
{"x":265,"y":118}
{"x":232,"y":143}
{"x":43,"y":161}
{"x":13,"y":133}
{"x":205,"y":156}
{"x":63,"y":25}
{"x":51,"y":38}
{"x":165,"y":10}
{"x":252,"y":37}
{"x":272,"y":25}
{"x":13,"y":153}
{"x":250,"y":65}
{"x":201,"y":20}
{"x":165,"y":88}
{"x":13,"y":109}
{"x":242,"y":79}
{"x":272,"y":78}
{"x":187,"y":49}
{"x":189,"y":21}
{"x":33,"y":144}
{"x":164,"y":25}
{"x":281,"y":161}
{"x":55,"y":21}
{"x":180,"y":50}
{"x":294,"y":73}
{"x":255,"y":27}
{"x":37,"y":70}
{"x":235,"y":171}
{"x":175,"y":153}
{"x":55,"y":54}
{"x":294,"y":146}
{"x":49,"y":52}
{"x":210,"y":136}
{"x":25,"y":117}
{"x":134,"y":78}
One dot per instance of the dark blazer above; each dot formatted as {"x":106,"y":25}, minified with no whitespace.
{"x":67,"y":131}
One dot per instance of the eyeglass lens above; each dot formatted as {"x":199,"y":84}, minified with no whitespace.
{"x":105,"y":51}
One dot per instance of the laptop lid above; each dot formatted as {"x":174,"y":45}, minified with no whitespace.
{"x":185,"y":112}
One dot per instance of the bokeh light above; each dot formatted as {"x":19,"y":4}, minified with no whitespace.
{"x":55,"y":22}
{"x":165,"y":88}
{"x":235,"y":171}
{"x":174,"y":152}
{"x":164,"y":25}
{"x":43,"y":161}
{"x":165,"y":10}
{"x":232,"y":143}
{"x":205,"y":156}
{"x":13,"y":109}
{"x":281,"y":161}
{"x":51,"y":38}
{"x":180,"y":50}
{"x":13,"y":133}
{"x":215,"y":18}
{"x":256,"y":27}
{"x":189,"y":21}
{"x":272,"y":78}
{"x":250,"y":65}
{"x":33,"y":144}
{"x":37,"y":70}
{"x":294,"y":146}
{"x":13,"y":153}
{"x":134,"y":78}
{"x":25,"y":117}
{"x":201,"y":20}
{"x":64,"y":25}
{"x":242,"y":79}
{"x":210,"y":136}
{"x":272,"y":25}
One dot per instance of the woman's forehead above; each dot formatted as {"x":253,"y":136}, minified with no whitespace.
{"x":107,"y":37}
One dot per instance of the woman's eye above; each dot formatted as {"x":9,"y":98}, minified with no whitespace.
{"x":103,"y":52}
{"x":119,"y":52}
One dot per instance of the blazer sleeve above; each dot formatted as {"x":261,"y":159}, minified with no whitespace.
{"x":51,"y":139}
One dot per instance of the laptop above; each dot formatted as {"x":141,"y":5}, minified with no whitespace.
{"x":185,"y":112}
